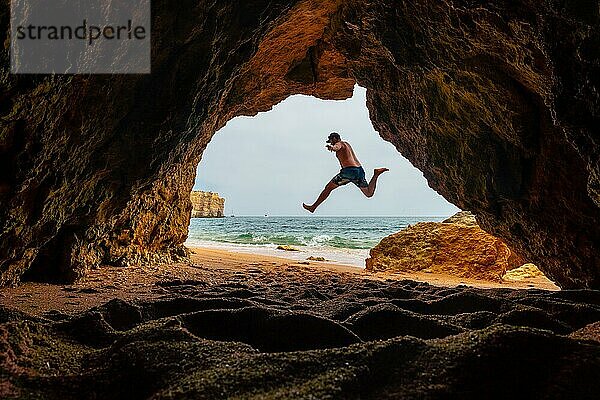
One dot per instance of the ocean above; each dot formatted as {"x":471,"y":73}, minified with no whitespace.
{"x":343,"y":240}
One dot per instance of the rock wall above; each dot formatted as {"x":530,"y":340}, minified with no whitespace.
{"x":497,"y":102}
{"x":207,"y":205}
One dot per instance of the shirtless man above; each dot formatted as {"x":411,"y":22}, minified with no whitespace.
{"x":351,"y":171}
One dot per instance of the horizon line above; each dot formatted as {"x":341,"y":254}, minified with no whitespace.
{"x":312,"y":216}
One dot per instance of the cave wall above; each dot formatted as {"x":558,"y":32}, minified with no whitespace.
{"x":496,"y":102}
{"x":98,"y":169}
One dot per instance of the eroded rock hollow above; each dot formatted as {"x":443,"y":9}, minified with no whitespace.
{"x":497,"y":102}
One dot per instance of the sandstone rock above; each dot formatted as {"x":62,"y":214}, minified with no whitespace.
{"x":465,"y":218}
{"x":450,"y":248}
{"x":207,"y":205}
{"x":525,"y":271}
{"x":287,"y":248}
{"x":589,"y":332}
{"x":497,"y":102}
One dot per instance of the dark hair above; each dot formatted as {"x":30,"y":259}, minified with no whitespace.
{"x":333,"y":135}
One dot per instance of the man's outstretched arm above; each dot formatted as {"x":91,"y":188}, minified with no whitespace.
{"x":335,"y":147}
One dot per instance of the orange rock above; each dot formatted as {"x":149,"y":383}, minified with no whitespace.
{"x":456,"y":249}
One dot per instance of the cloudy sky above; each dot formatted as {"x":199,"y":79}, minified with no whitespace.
{"x":271,"y":163}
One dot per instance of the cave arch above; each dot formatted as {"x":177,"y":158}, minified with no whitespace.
{"x":271,"y":163}
{"x":496,"y":103}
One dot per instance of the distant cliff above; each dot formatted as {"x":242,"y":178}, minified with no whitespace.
{"x":207,"y":205}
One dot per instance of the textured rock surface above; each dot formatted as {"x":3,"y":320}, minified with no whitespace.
{"x":525,"y":271}
{"x":207,"y":205}
{"x":465,"y":218}
{"x":459,"y":249}
{"x":589,"y":332}
{"x":222,"y":338}
{"x":497,"y":102}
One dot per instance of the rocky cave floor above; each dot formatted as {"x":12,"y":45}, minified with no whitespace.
{"x":282,"y":332}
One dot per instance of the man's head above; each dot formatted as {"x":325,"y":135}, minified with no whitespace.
{"x":333,"y":138}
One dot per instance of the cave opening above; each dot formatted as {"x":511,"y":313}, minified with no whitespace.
{"x":282,"y":153}
{"x":269,"y":164}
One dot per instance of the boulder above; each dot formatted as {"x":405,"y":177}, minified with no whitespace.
{"x":287,"y":248}
{"x":460,"y":249}
{"x":465,"y":218}
{"x":525,"y":271}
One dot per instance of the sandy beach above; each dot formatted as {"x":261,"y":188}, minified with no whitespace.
{"x":238,"y":319}
{"x":203,"y":256}
{"x":213,"y":266}
{"x":232,"y":325}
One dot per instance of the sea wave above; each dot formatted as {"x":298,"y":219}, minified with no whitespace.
{"x":331,"y":232}
{"x":344,"y":240}
{"x":290,"y":240}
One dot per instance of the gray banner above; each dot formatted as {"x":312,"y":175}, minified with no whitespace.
{"x":80,"y":36}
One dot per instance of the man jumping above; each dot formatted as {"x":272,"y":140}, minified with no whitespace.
{"x":351,"y":171}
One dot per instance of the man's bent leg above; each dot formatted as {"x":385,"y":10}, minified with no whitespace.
{"x":324,"y":195}
{"x":369,"y":191}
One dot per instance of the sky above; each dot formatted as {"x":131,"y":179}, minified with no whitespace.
{"x":275,"y":161}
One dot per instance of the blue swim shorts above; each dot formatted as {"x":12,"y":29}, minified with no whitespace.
{"x":355,"y":175}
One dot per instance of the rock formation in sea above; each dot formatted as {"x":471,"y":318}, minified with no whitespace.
{"x":497,"y":102}
{"x":459,"y":248}
{"x":207,"y":205}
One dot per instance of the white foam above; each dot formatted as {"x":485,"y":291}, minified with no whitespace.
{"x":317,"y":240}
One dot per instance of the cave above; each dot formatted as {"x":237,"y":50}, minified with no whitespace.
{"x":495,"y":102}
